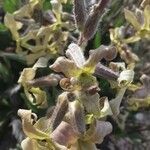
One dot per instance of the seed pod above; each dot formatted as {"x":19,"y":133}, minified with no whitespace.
{"x":59,"y":111}
{"x":94,"y":19}
{"x":80,"y":13}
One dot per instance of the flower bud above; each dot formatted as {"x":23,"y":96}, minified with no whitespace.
{"x":80,"y":13}
{"x":93,"y":20}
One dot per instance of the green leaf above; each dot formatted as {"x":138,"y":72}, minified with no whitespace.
{"x":97,"y":40}
{"x":46,"y":5}
{"x":11,"y":5}
{"x":4,"y":72}
{"x":5,"y":37}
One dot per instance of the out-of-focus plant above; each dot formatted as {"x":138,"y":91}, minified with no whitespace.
{"x":141,"y":97}
{"x":35,"y":36}
{"x":140,"y":21}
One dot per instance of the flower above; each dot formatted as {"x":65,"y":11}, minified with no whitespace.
{"x":80,"y":74}
{"x":141,"y":96}
{"x":35,"y":95}
{"x":141,"y":22}
{"x":39,"y":135}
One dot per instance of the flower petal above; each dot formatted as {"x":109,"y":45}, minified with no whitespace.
{"x":97,"y":131}
{"x":31,"y":131}
{"x":131,"y":18}
{"x":102,"y":129}
{"x":26,"y":75}
{"x":83,"y":145}
{"x":126,"y":77}
{"x":106,"y":110}
{"x":41,"y":63}
{"x":40,"y":97}
{"x":107,"y":52}
{"x":64,"y":134}
{"x":29,"y":144}
{"x":65,"y":66}
{"x":115,"y":103}
{"x":11,"y":24}
{"x":91,"y":103}
{"x":75,"y":53}
{"x":147,"y":17}
{"x":77,"y":120}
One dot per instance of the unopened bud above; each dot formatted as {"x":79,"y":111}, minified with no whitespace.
{"x":93,"y":20}
{"x":80,"y":13}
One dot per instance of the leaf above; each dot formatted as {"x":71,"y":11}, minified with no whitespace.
{"x":97,"y":40}
{"x":13,"y":56}
{"x":4,"y":73}
{"x":11,"y":5}
{"x":46,"y":5}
